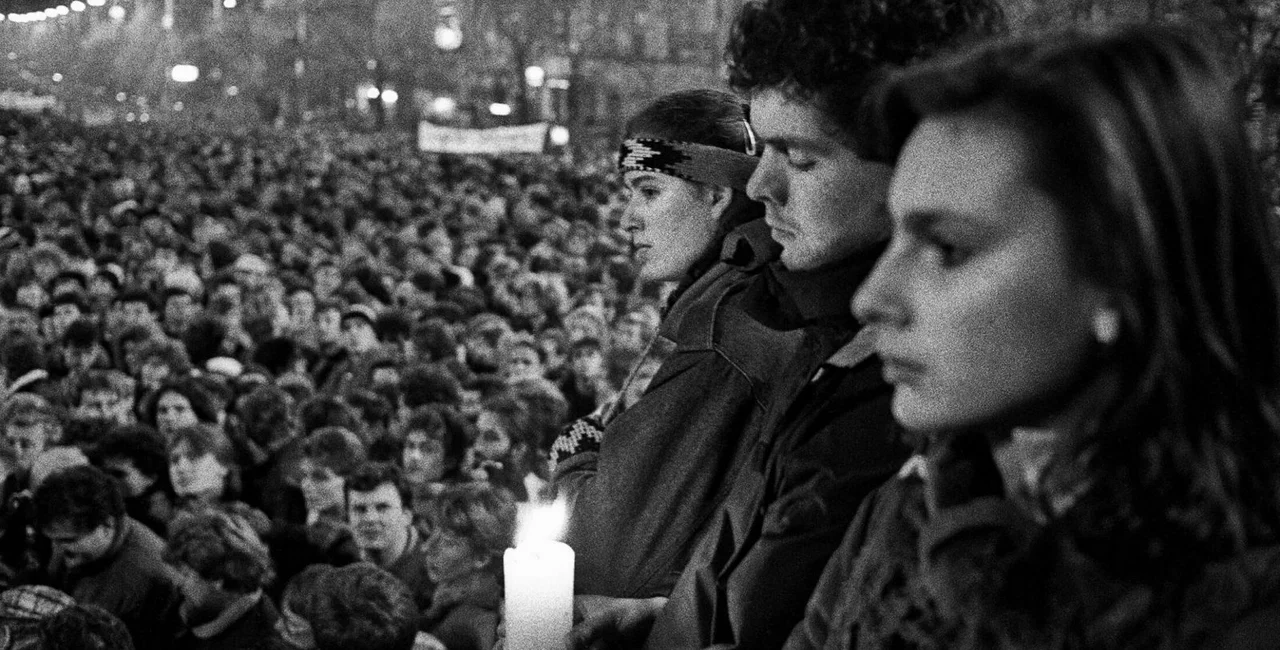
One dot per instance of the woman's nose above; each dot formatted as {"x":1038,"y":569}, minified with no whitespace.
{"x":879,"y":300}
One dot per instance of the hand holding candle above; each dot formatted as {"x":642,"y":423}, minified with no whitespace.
{"x":539,"y":581}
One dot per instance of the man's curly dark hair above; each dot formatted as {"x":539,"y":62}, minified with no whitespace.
{"x":832,"y":51}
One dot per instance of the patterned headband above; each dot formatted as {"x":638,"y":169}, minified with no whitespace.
{"x":687,"y":160}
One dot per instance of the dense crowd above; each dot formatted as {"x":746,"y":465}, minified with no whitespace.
{"x":292,"y":349}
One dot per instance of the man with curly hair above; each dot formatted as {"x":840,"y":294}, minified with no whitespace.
{"x":807,"y":66}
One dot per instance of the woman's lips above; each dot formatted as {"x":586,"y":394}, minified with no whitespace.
{"x":900,"y":370}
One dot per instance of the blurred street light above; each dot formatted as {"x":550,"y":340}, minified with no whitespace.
{"x":448,"y":38}
{"x":62,"y":10}
{"x":116,"y":13}
{"x":535,"y":76}
{"x":444,"y":105}
{"x":559,"y":136}
{"x":97,"y":3}
{"x":390,"y":96}
{"x":57,"y":77}
{"x":372,"y":93}
{"x":77,"y":6}
{"x":184,"y":73}
{"x":499,"y":109}
{"x":229,"y":4}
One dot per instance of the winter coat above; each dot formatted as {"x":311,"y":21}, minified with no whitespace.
{"x":667,"y":462}
{"x":829,"y":439}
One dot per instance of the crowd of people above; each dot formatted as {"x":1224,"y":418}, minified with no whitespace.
{"x":362,"y":352}
{"x":942,"y":339}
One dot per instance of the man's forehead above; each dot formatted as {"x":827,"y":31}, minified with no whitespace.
{"x":383,"y":493}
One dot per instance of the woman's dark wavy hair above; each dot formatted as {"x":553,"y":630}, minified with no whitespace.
{"x":710,"y":117}
{"x":832,"y":51}
{"x":1139,"y":139}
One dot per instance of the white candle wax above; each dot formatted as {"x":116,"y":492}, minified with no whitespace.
{"x":539,"y":598}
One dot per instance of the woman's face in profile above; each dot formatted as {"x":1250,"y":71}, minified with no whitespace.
{"x":980,"y":316}
{"x":671,"y":221}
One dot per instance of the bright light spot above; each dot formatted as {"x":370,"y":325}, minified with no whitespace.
{"x":129,"y":117}
{"x":448,"y":38}
{"x":57,"y":77}
{"x":390,"y":96}
{"x":443,"y":105}
{"x":534,"y":76}
{"x":229,"y":4}
{"x":121,"y":97}
{"x":178,"y":106}
{"x":558,"y":84}
{"x":232,"y":91}
{"x":350,"y":103}
{"x":372,"y":93}
{"x":559,"y":136}
{"x":2,"y":18}
{"x":62,"y":10}
{"x":184,"y":73}
{"x":39,"y":15}
{"x":51,"y":12}
{"x":500,"y":109}
{"x":13,"y":55}
{"x":97,"y":3}
{"x":77,"y":5}
{"x":540,"y":522}
{"x":144,"y":118}
{"x":371,"y":64}
{"x":116,"y":13}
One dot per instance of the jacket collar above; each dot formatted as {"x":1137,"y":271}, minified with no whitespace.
{"x":785,"y":300}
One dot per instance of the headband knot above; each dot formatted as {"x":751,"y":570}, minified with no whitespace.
{"x":688,"y":160}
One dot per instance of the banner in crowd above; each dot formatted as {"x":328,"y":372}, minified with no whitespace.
{"x":528,"y":138}
{"x":26,"y":103}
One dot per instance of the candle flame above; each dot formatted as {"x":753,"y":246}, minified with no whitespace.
{"x":541,"y":522}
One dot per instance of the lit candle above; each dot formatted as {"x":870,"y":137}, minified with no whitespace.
{"x":539,"y":583}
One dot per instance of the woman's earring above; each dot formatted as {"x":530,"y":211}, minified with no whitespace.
{"x":1106,"y":325}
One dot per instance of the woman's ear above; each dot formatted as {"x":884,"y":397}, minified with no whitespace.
{"x":720,"y":198}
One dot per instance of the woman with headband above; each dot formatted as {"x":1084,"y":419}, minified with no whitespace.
{"x":1079,"y":312}
{"x":641,"y":483}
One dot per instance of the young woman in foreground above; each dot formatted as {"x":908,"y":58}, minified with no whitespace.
{"x":1079,"y":315}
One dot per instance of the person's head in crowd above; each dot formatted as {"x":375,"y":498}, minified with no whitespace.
{"x":220,"y":562}
{"x":69,"y":280}
{"x":31,"y":424}
{"x":178,"y":307}
{"x":203,"y":338}
{"x":31,"y":294}
{"x":328,"y":322}
{"x":434,"y":338}
{"x":159,"y":360}
{"x":375,"y":409}
{"x":806,"y":66}
{"x":136,"y":456}
{"x":1123,"y":296}
{"x":327,"y":411}
{"x":358,"y":334}
{"x":483,"y":334}
{"x":300,"y":386}
{"x":267,"y":416}
{"x":202,"y":464}
{"x":251,"y":272}
{"x":84,"y":627}
{"x":81,"y":348}
{"x":129,"y":343}
{"x":225,"y":295}
{"x":554,"y":344}
{"x":521,"y":358}
{"x":586,"y":322}
{"x":631,"y":332}
{"x":136,"y":306}
{"x":380,"y":511}
{"x":302,"y":306}
{"x":328,"y":278}
{"x":473,"y":525}
{"x":53,"y":460}
{"x":103,"y":394}
{"x":105,"y":284}
{"x":385,"y":371}
{"x":587,"y":359}
{"x":80,"y":510}
{"x":24,"y":608}
{"x":68,"y":307}
{"x":547,"y":407}
{"x":435,"y":438}
{"x":328,"y":457}
{"x":678,"y":213}
{"x":359,"y":605}
{"x":502,"y":431}
{"x":180,"y":402}
{"x":21,"y":320}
